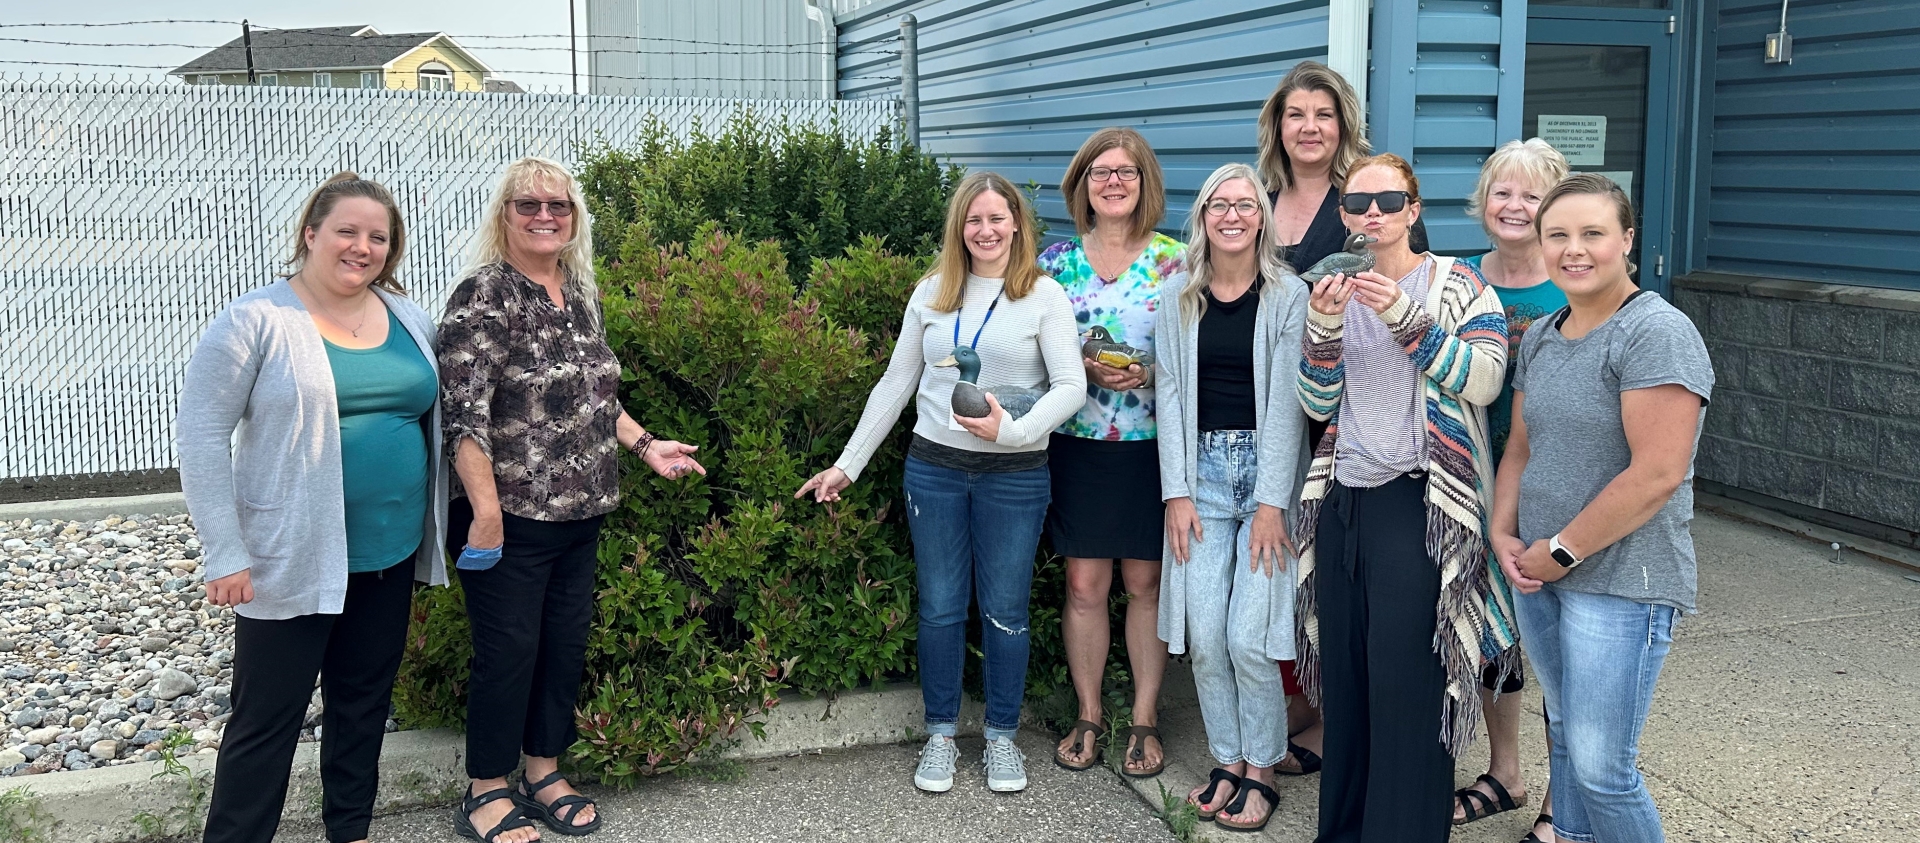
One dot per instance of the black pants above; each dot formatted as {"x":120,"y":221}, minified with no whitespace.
{"x":1387,"y":778}
{"x":530,"y":615}
{"x":356,"y":654}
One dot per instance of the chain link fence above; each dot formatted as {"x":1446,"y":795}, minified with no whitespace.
{"x":130,"y":213}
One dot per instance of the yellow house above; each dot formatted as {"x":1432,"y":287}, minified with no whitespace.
{"x":345,"y":57}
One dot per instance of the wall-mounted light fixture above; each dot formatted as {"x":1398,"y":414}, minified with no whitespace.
{"x":1780,"y":44}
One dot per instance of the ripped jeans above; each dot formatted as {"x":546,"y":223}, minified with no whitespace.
{"x":974,"y":535}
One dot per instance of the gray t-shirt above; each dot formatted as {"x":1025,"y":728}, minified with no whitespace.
{"x":1577,"y":444}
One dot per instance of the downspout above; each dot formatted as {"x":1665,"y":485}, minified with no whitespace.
{"x":829,"y":39}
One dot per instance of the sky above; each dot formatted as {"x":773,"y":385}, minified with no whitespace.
{"x":470,"y":22}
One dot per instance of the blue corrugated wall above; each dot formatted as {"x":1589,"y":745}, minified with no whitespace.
{"x":1816,"y":164}
{"x":1016,"y":86}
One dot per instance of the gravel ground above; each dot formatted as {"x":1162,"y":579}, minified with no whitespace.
{"x":107,"y":644}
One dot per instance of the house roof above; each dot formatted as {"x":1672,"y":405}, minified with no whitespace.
{"x":318,"y":48}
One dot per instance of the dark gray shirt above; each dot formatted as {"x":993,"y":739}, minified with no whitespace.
{"x":1577,"y":443}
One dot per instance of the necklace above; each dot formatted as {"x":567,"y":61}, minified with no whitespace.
{"x":355,"y":330}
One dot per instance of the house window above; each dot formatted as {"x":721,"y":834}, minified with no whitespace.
{"x":369,"y":78}
{"x":267,"y":80}
{"x":209,"y":79}
{"x":323,"y":80}
{"x":435,"y":76}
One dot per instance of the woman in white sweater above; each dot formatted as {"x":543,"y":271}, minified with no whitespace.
{"x":977,"y":488}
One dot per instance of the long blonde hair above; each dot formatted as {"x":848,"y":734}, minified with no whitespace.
{"x":1275,"y":166}
{"x":347,"y":184}
{"x":1193,"y":299}
{"x":1023,"y":267}
{"x":490,"y":242}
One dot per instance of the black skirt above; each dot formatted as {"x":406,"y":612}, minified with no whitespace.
{"x":1106,"y":498}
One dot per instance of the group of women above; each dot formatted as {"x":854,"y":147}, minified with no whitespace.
{"x":1297,"y":481}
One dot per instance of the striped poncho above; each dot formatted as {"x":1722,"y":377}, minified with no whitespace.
{"x":1459,"y":340}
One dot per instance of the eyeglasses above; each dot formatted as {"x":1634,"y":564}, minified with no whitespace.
{"x":531,"y":207}
{"x":1390,"y":201}
{"x":1245,"y":207}
{"x":1104,"y":173}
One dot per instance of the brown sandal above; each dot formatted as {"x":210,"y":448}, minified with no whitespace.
{"x":1137,"y":751}
{"x":1074,"y":739}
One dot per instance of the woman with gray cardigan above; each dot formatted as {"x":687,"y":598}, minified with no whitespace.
{"x":1232,"y":453}
{"x":310,"y":457}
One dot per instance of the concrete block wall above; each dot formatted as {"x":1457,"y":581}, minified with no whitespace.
{"x":1817,"y":401}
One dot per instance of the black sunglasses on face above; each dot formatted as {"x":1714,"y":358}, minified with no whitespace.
{"x":531,"y":207}
{"x":1391,"y":201}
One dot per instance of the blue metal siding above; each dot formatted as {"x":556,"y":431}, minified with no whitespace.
{"x":1816,"y":164}
{"x":1015,"y":87}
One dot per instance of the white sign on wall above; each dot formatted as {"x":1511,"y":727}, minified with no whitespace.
{"x":1582,"y":138}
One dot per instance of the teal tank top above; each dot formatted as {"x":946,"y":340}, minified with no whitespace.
{"x":1523,"y":305}
{"x":385,"y":394}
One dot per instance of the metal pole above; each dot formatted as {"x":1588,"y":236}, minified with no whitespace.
{"x":910,"y":76}
{"x":573,"y":51}
{"x":246,"y":38}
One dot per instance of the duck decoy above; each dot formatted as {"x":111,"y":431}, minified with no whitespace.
{"x":1101,"y":348}
{"x":1357,"y":258}
{"x":970,"y":399}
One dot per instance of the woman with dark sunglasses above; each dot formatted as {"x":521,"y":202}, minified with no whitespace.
{"x":535,"y":427}
{"x":1396,"y":596}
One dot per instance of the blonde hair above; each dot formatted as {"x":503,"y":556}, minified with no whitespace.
{"x":490,"y":242}
{"x":954,"y":263}
{"x":349,"y":185}
{"x":1152,"y":205}
{"x":1591,"y":184}
{"x":1193,"y":299}
{"x":1532,"y":161}
{"x":1275,"y":166}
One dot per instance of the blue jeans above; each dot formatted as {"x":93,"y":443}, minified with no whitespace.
{"x":1597,"y":657}
{"x":974,"y":535}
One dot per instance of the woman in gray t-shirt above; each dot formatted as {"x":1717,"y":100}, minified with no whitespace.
{"x":1592,"y":503}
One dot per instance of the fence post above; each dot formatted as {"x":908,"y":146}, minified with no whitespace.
{"x":910,"y":76}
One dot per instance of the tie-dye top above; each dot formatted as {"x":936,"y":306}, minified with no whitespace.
{"x":1125,"y":307}
{"x":1523,"y":305}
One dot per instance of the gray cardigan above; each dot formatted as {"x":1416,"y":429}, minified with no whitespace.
{"x":1282,"y":436}
{"x":259,"y":443}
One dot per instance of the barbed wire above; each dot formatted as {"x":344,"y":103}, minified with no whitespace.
{"x":344,"y":35}
{"x":115,"y":23}
{"x":497,"y":73}
{"x":277,"y":46}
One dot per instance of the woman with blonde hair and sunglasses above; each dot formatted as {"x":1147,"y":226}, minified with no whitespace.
{"x":977,"y":487}
{"x":535,"y":428}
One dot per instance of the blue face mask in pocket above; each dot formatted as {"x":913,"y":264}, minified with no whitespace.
{"x":472,"y":559}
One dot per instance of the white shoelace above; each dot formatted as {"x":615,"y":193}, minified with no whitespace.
{"x":939,"y":754}
{"x":1002,"y":755}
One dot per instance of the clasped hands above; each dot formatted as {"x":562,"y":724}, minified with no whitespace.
{"x":1527,"y":566}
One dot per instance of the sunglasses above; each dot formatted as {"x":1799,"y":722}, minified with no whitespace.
{"x":531,"y":207}
{"x":1390,"y":201}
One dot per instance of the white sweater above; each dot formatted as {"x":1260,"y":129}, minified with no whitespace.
{"x":1031,"y":342}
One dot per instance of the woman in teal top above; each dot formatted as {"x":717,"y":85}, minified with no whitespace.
{"x":384,"y":393}
{"x":1104,"y":462}
{"x":1512,"y":183}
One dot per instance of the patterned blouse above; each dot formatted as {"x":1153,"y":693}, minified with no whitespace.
{"x":1125,"y":307}
{"x":536,"y":387}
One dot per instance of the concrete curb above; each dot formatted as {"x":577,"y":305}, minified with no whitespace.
{"x":93,"y":509}
{"x":427,"y":767}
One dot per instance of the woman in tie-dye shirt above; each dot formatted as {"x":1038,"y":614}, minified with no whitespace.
{"x":1104,"y":461}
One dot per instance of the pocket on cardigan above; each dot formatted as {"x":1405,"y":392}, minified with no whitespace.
{"x":263,"y":530}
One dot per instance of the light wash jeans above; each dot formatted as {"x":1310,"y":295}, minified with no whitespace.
{"x":974,"y":535}
{"x":1242,"y":701}
{"x":1597,"y":657}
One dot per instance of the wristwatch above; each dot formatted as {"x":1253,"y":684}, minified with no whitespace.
{"x":1561,"y":554}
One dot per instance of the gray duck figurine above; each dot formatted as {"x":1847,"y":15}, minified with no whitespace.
{"x":1101,"y":348}
{"x":1357,"y":258}
{"x":970,"y":399}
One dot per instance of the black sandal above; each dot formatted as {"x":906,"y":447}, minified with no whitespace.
{"x":1476,"y":806}
{"x":1214,"y":779}
{"x":549,"y":813}
{"x":1137,"y":751}
{"x":463,"y":816}
{"x":1535,"y":838}
{"x":1309,"y":761}
{"x":1081,"y":727}
{"x":1239,"y":804}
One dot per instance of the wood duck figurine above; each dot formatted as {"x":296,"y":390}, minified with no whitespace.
{"x":970,"y":399}
{"x":1357,"y":258}
{"x":1100,"y":348}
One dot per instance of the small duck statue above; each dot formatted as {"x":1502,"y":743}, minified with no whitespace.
{"x":1101,"y":348}
{"x":1357,"y":258}
{"x":970,"y":399}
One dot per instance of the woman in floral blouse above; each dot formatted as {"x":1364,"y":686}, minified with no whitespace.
{"x":535,"y":427}
{"x":1104,"y":462}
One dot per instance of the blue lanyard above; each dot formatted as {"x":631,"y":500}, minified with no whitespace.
{"x":983,"y":322}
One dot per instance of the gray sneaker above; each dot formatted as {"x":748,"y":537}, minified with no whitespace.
{"x":1006,"y":766}
{"x":935,"y":773}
